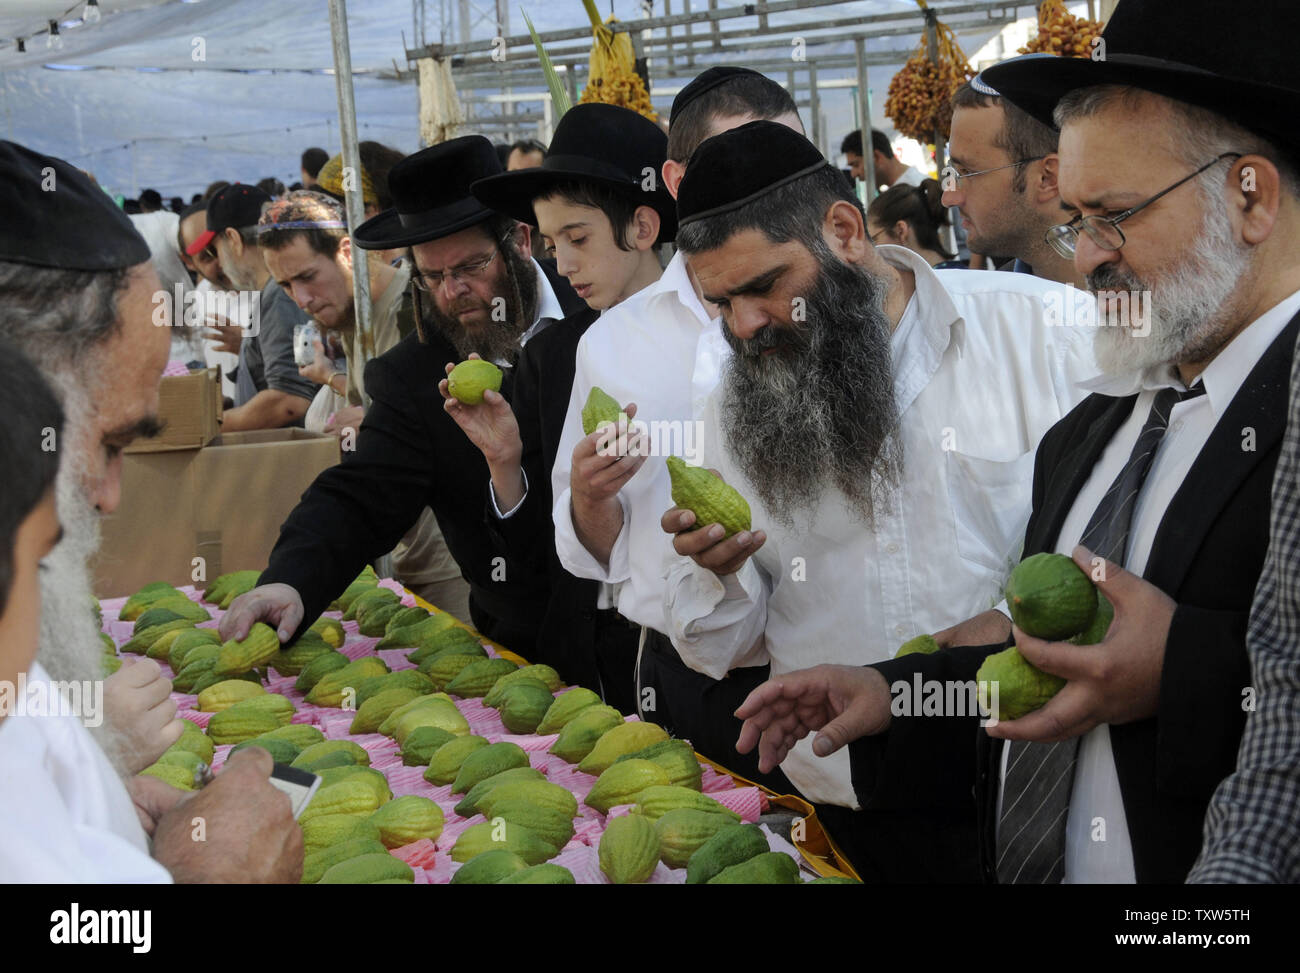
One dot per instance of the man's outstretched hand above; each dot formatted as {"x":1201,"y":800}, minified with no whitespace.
{"x":839,"y":703}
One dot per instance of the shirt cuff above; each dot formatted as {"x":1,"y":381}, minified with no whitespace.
{"x":496,"y":507}
{"x":575,"y":558}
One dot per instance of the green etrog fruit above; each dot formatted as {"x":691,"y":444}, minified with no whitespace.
{"x":600,"y":408}
{"x":1022,"y":686}
{"x":471,"y":378}
{"x":711,"y":500}
{"x":1050,"y":597}
{"x":924,"y":644}
{"x":1095,"y":632}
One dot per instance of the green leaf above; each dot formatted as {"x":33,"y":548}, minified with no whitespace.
{"x":559,"y":95}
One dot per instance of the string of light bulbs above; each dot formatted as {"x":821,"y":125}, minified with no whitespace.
{"x":90,"y":14}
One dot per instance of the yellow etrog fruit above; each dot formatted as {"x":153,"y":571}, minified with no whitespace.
{"x":471,"y":378}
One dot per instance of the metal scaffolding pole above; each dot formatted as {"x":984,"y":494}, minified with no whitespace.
{"x":946,"y":234}
{"x":864,"y":121}
{"x":352,"y":162}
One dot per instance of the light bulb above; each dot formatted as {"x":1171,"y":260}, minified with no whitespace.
{"x":92,"y":14}
{"x":53,"y":40}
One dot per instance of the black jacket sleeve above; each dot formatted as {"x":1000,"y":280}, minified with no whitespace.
{"x":357,"y":511}
{"x":923,"y":761}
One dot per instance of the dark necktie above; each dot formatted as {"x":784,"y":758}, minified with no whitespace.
{"x":1040,"y":776}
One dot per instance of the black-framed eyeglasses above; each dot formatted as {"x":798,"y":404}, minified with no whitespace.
{"x":951,"y":177}
{"x":1104,"y":230}
{"x":430,"y":281}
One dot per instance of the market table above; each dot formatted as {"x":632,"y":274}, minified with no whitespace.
{"x":431,"y":860}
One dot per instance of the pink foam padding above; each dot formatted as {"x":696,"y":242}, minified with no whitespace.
{"x":119,"y":632}
{"x":711,"y":781}
{"x":419,"y":854}
{"x":281,"y":684}
{"x":529,"y":743}
{"x":396,"y":659}
{"x":194,"y":716}
{"x":422,"y":877}
{"x":396,"y":588}
{"x":453,"y":828}
{"x":113,"y":605}
{"x":441,"y":873}
{"x":567,"y":776}
{"x":355,"y":648}
{"x":583,"y":862}
{"x":587,"y":831}
{"x":219,"y":755}
{"x":748,"y":802}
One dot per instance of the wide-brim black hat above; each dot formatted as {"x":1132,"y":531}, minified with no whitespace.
{"x":605,"y":144}
{"x":1237,"y":65}
{"x":431,"y":195}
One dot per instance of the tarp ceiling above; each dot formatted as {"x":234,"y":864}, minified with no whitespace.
{"x":174,"y":94}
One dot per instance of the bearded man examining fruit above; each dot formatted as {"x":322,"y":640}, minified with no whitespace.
{"x":881,"y":420}
{"x":1180,"y":179}
{"x":477,"y":291}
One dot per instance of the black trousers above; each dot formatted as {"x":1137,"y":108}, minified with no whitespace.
{"x":520,"y":639}
{"x":906,"y":847}
{"x":615,"y":641}
{"x":691,"y":705}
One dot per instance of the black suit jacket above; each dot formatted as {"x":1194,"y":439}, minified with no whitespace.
{"x":409,"y":454}
{"x":566,"y":638}
{"x":1207,"y":555}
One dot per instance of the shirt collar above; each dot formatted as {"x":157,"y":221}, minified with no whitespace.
{"x":548,"y":305}
{"x":675,"y":284}
{"x":1223,"y":376}
{"x":928,"y":325}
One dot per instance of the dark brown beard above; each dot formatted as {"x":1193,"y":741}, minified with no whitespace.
{"x":820,"y":412}
{"x":495,"y":340}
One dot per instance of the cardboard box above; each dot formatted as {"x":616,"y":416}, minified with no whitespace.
{"x":187,"y":516}
{"x":190,"y":408}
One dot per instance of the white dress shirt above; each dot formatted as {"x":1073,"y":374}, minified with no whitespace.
{"x":65,"y":815}
{"x":660,"y":350}
{"x":548,"y":305}
{"x":912,"y":176}
{"x":979,"y":377}
{"x":1096,"y":793}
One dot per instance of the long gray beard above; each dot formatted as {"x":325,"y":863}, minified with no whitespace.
{"x":821,"y":412}
{"x":70,"y":646}
{"x":1187,"y":305}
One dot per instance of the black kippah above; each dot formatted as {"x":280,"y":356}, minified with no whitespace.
{"x":704,"y":82}
{"x":738,"y":166}
{"x":54,"y":216}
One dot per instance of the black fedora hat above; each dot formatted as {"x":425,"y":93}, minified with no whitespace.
{"x":431,"y":194}
{"x":1236,"y":63}
{"x":605,"y":144}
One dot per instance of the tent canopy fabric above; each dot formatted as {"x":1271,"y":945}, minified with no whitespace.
{"x":171,"y":94}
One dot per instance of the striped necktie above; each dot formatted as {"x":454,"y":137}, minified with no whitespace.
{"x":1040,"y":776}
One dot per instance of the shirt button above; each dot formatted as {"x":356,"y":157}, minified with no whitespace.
{"x":891,"y":548}
{"x":899,"y":630}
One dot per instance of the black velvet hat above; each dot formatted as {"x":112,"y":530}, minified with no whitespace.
{"x":431,"y":193}
{"x":53,"y":215}
{"x":734,"y":168}
{"x":1233,"y":61}
{"x":704,"y":82}
{"x":604,"y":144}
